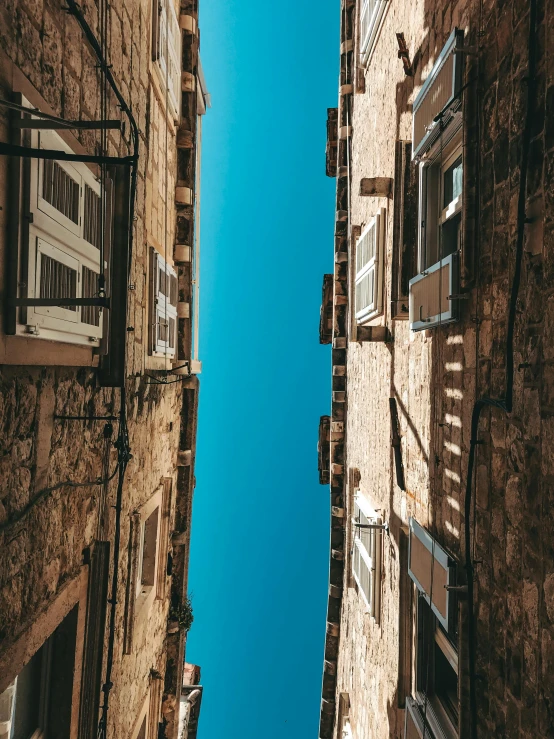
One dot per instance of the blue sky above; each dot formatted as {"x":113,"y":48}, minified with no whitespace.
{"x":260,"y":534}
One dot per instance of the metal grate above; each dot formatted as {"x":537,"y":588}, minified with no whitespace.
{"x":60,"y":190}
{"x":57,"y":280}
{"x":89,"y":313}
{"x":92,"y":227}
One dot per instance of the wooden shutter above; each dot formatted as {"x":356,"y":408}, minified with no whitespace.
{"x":369,"y":258}
{"x":366,"y":557}
{"x":433,"y":295}
{"x":61,"y":258}
{"x":404,"y":262}
{"x":414,"y":722}
{"x":164,"y":298}
{"x":431,"y":569}
{"x":94,"y":640}
{"x":441,"y":88}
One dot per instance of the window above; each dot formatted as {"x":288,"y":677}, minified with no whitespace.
{"x":366,"y":554}
{"x":436,"y":700}
{"x":166,"y":50}
{"x":369,"y":273}
{"x":163,"y":309}
{"x":60,"y":252}
{"x":405,"y":228}
{"x":148,"y":548}
{"x":371,"y":14}
{"x":147,"y":568}
{"x":42,"y":693}
{"x":437,"y":145}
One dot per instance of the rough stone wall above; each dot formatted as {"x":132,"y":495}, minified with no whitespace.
{"x":436,"y":375}
{"x":41,"y":544}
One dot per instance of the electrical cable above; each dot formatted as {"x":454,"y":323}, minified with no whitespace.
{"x":122,"y":444}
{"x":505,"y":404}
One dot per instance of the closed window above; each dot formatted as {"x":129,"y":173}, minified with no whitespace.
{"x":437,"y":146}
{"x":368,"y":296}
{"x":370,"y":15}
{"x":163,"y":308}
{"x":64,"y":230}
{"x":166,"y":50}
{"x":147,"y":553}
{"x":366,"y":554}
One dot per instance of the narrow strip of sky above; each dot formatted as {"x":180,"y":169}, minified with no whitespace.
{"x":260,"y":533}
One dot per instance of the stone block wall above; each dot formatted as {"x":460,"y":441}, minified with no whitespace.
{"x":47,"y":519}
{"x":436,"y":375}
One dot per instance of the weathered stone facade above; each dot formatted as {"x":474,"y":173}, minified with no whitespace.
{"x":54,"y":528}
{"x":437,"y":375}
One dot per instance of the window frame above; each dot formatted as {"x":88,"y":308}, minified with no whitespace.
{"x":165,"y":25}
{"x":161,"y":308}
{"x":372,"y":560}
{"x":376,"y":264}
{"x":50,"y":232}
{"x":368,"y":40}
{"x":13,"y":660}
{"x":440,"y":721}
{"x":431,"y":218}
{"x":138,"y":604}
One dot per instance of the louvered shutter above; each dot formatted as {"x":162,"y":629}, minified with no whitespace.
{"x":441,"y":89}
{"x":366,"y":557}
{"x":432,"y":292}
{"x":432,"y":570}
{"x":164,"y":306}
{"x":414,"y":722}
{"x":371,"y":14}
{"x":62,"y":252}
{"x":369,"y":258}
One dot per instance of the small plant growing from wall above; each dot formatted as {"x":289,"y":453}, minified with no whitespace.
{"x":180,"y":614}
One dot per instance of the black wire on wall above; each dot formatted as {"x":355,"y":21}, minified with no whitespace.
{"x":122,"y":443}
{"x":506,"y":403}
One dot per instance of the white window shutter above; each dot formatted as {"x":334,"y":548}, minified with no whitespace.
{"x":366,"y":556}
{"x":164,"y":307}
{"x":369,"y":269}
{"x":432,"y":570}
{"x":63,"y":249}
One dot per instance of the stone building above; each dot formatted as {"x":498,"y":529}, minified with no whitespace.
{"x":100,"y":110}
{"x":438,"y":448}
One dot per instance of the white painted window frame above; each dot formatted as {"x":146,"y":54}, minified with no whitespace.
{"x":369,"y":26}
{"x":432,"y":216}
{"x":162,"y":310}
{"x":375,"y":265}
{"x":53,"y":234}
{"x":372,"y":560}
{"x":168,"y":56}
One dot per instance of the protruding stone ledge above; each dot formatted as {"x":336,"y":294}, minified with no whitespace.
{"x":182,"y":253}
{"x":376,"y":187}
